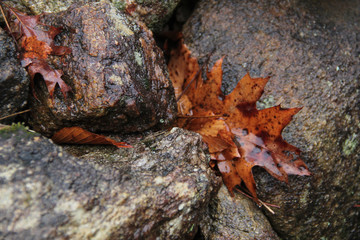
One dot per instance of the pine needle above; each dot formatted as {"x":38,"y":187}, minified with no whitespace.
{"x":14,"y":114}
{"x":7,"y":24}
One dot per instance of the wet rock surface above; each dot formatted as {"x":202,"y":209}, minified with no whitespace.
{"x":310,"y":49}
{"x":153,"y":13}
{"x":117,"y":74}
{"x":160,"y":188}
{"x":14,"y":82}
{"x":235,"y":218}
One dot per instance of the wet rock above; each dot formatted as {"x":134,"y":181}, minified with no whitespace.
{"x":153,"y":13}
{"x":46,"y":6}
{"x":14,"y":82}
{"x":235,"y":218}
{"x":117,"y":73}
{"x":160,"y":188}
{"x":311,"y":51}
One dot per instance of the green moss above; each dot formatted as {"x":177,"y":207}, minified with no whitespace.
{"x":13,"y":128}
{"x":7,"y":131}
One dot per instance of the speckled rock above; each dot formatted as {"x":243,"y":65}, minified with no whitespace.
{"x":235,"y":218}
{"x":160,"y":188}
{"x":153,"y":13}
{"x":311,"y":51}
{"x":117,"y":74}
{"x":44,"y":6}
{"x":14,"y":82}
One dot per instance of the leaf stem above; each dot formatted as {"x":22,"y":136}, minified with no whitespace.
{"x":265,"y":204}
{"x":196,"y":75}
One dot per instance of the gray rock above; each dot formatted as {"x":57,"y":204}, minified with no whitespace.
{"x":118,"y":76}
{"x":235,"y":218}
{"x":153,"y":13}
{"x":159,"y":189}
{"x":311,"y":51}
{"x":14,"y":82}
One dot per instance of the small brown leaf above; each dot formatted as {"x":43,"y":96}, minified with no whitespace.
{"x":52,"y":77}
{"x":36,"y":45}
{"x":78,"y":135}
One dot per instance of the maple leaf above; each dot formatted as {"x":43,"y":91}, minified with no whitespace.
{"x":36,"y":45}
{"x":78,"y":135}
{"x":239,"y":136}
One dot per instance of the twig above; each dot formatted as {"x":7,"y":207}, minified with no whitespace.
{"x":265,"y":204}
{"x":196,"y":75}
{"x":8,"y":26}
{"x":14,"y":114}
{"x":186,"y":88}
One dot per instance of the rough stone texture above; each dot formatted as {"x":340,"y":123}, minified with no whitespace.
{"x":44,"y":6}
{"x":311,"y":50}
{"x":14,"y":82}
{"x":153,"y":13}
{"x":235,"y":218}
{"x":117,"y":73}
{"x":160,"y":188}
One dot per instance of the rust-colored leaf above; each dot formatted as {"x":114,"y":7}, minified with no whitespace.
{"x":51,"y":76}
{"x":36,"y":45}
{"x":239,"y":135}
{"x":78,"y":135}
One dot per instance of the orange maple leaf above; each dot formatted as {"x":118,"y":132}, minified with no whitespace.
{"x":239,"y":136}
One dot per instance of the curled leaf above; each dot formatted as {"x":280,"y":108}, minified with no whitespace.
{"x":78,"y":135}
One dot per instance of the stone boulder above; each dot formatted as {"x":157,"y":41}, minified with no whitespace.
{"x":117,"y":74}
{"x":153,"y":13}
{"x":158,"y":189}
{"x":235,"y":218}
{"x":14,"y":82}
{"x":310,"y":49}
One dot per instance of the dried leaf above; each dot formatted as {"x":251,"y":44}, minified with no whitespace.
{"x":78,"y":135}
{"x":36,"y":45}
{"x":239,"y":135}
{"x":51,"y":76}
